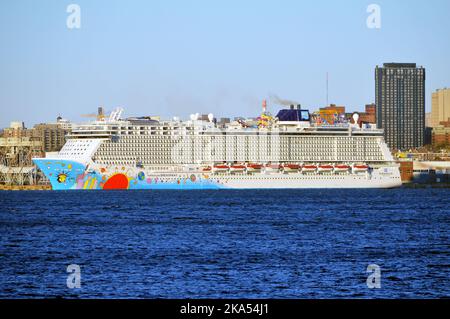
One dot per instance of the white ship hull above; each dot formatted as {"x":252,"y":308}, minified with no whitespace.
{"x":311,"y":182}
{"x":68,"y":175}
{"x":385,"y":177}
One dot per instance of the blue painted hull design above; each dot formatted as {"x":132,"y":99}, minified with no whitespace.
{"x":71,"y":175}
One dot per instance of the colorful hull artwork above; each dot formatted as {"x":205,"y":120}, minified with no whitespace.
{"x":68,"y":174}
{"x":71,"y":175}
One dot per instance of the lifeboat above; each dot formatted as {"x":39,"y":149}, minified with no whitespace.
{"x":291,"y":167}
{"x":237,"y":168}
{"x":273,"y":167}
{"x":360,"y":168}
{"x":254,"y":167}
{"x":309,"y":168}
{"x":325,"y":168}
{"x":221,"y":168}
{"x":207,"y":169}
{"x":341,"y":168}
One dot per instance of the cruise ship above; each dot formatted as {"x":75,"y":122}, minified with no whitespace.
{"x":285,"y":151}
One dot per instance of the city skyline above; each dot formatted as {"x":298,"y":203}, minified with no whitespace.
{"x":177,"y":59}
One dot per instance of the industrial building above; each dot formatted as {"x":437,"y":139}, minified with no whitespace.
{"x":18,"y":145}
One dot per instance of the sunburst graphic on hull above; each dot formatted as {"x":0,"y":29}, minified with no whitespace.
{"x":117,"y":181}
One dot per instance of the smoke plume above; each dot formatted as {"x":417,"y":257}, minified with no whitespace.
{"x":275,"y":99}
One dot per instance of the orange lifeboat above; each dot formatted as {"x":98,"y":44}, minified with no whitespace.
{"x":325,"y":168}
{"x":254,"y":167}
{"x":237,"y":168}
{"x":291,"y":167}
{"x":206,"y":169}
{"x":273,"y":167}
{"x":309,"y":168}
{"x":360,"y":168}
{"x":221,"y":168}
{"x":341,"y":168}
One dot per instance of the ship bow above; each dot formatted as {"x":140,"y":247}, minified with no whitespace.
{"x":62,"y":174}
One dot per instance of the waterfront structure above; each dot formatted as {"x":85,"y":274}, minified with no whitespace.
{"x":431,"y":172}
{"x":18,"y":145}
{"x":440,"y":107}
{"x":286,"y":151}
{"x":406,"y":170}
{"x":440,"y":135}
{"x":16,"y":153}
{"x":400,"y":103}
{"x":424,"y":171}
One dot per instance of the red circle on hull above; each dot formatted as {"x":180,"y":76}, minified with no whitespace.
{"x":118,"y":181}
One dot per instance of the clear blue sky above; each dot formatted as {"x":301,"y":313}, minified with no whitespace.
{"x":180,"y":57}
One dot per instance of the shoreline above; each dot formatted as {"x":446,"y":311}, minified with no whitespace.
{"x":433,"y":185}
{"x":25,"y":187}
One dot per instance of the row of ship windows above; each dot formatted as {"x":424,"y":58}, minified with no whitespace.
{"x":234,"y":142}
{"x":242,"y":152}
{"x":219,"y":152}
{"x":283,"y":148}
{"x":188,"y":161}
{"x":238,"y":157}
{"x":74,"y":150}
{"x":71,"y":154}
{"x":248,"y":157}
{"x":243,"y":143}
{"x":247,"y":141}
{"x":230,"y":145}
{"x":219,"y":146}
{"x":132,"y":163}
{"x":128,"y":139}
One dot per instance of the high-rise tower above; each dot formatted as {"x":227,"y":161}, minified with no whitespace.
{"x":400,"y":102}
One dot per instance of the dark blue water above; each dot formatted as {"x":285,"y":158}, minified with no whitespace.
{"x":224,"y":244}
